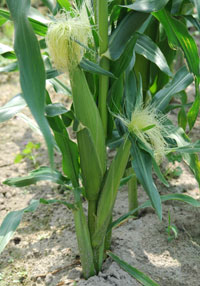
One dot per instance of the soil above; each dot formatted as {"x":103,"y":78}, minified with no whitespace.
{"x":44,"y":250}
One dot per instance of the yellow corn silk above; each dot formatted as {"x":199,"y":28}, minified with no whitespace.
{"x":149,"y":128}
{"x":67,"y":38}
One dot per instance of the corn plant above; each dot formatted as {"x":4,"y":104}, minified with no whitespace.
{"x":119,"y":58}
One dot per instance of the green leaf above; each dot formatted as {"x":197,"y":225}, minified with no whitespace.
{"x":2,"y":21}
{"x":13,"y":219}
{"x":55,"y":109}
{"x":182,"y":140}
{"x":9,"y":68}
{"x":11,"y":222}
{"x":178,"y":36}
{"x":18,"y":158}
{"x":49,"y":202}
{"x":89,"y":66}
{"x":193,"y":112}
{"x":197,"y":5}
{"x":179,"y":197}
{"x":65,"y":4}
{"x":190,"y":148}
{"x":67,"y":147}
{"x":32,"y":72}
{"x":178,"y":83}
{"x":7,"y":52}
{"x":59,"y":87}
{"x":193,"y":21}
{"x":109,"y":192}
{"x":12,"y":107}
{"x":37,"y":20}
{"x":147,"y":48}
{"x":130,"y":90}
{"x":49,"y":4}
{"x":182,"y":118}
{"x":124,"y":33}
{"x":51,"y":73}
{"x":147,"y":5}
{"x":142,"y":165}
{"x":42,"y":174}
{"x":134,"y":272}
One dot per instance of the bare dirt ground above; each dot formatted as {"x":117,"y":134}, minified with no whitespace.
{"x":44,"y":251}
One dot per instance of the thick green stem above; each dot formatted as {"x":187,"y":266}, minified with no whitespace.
{"x":83,"y":238}
{"x":132,"y":190}
{"x":102,"y":20}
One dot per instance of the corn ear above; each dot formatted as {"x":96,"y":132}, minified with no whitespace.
{"x":90,"y":166}
{"x":87,"y":113}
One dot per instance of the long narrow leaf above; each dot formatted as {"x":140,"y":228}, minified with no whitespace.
{"x":32,"y":72}
{"x":147,"y":5}
{"x":12,"y":107}
{"x":11,"y":222}
{"x":94,"y":68}
{"x":147,"y":48}
{"x":124,"y":33}
{"x":179,"y":197}
{"x":179,"y":36}
{"x":178,"y":83}
{"x":109,"y":192}
{"x":42,"y":174}
{"x":142,"y":165}
{"x":134,"y":272}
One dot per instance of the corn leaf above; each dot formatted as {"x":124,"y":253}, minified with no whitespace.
{"x":130,"y":90}
{"x":55,"y":109}
{"x":83,"y":237}
{"x":51,"y":73}
{"x":191,"y":148}
{"x":54,"y":201}
{"x":197,"y":5}
{"x":9,"y":68}
{"x":49,"y":4}
{"x":147,"y":48}
{"x":12,"y":107}
{"x":11,"y":222}
{"x":178,"y":83}
{"x":68,"y":149}
{"x":89,"y":66}
{"x":193,"y":21}
{"x":109,"y":192}
{"x":134,"y":272}
{"x":13,"y":219}
{"x":64,"y":4}
{"x":32,"y":72}
{"x":182,"y":140}
{"x":178,"y":36}
{"x":59,"y":87}
{"x":147,"y":5}
{"x":124,"y":33}
{"x":193,"y":111}
{"x":2,"y":20}
{"x":42,"y":174}
{"x":7,"y":52}
{"x":142,"y":165}
{"x":38,"y":22}
{"x":179,"y":197}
